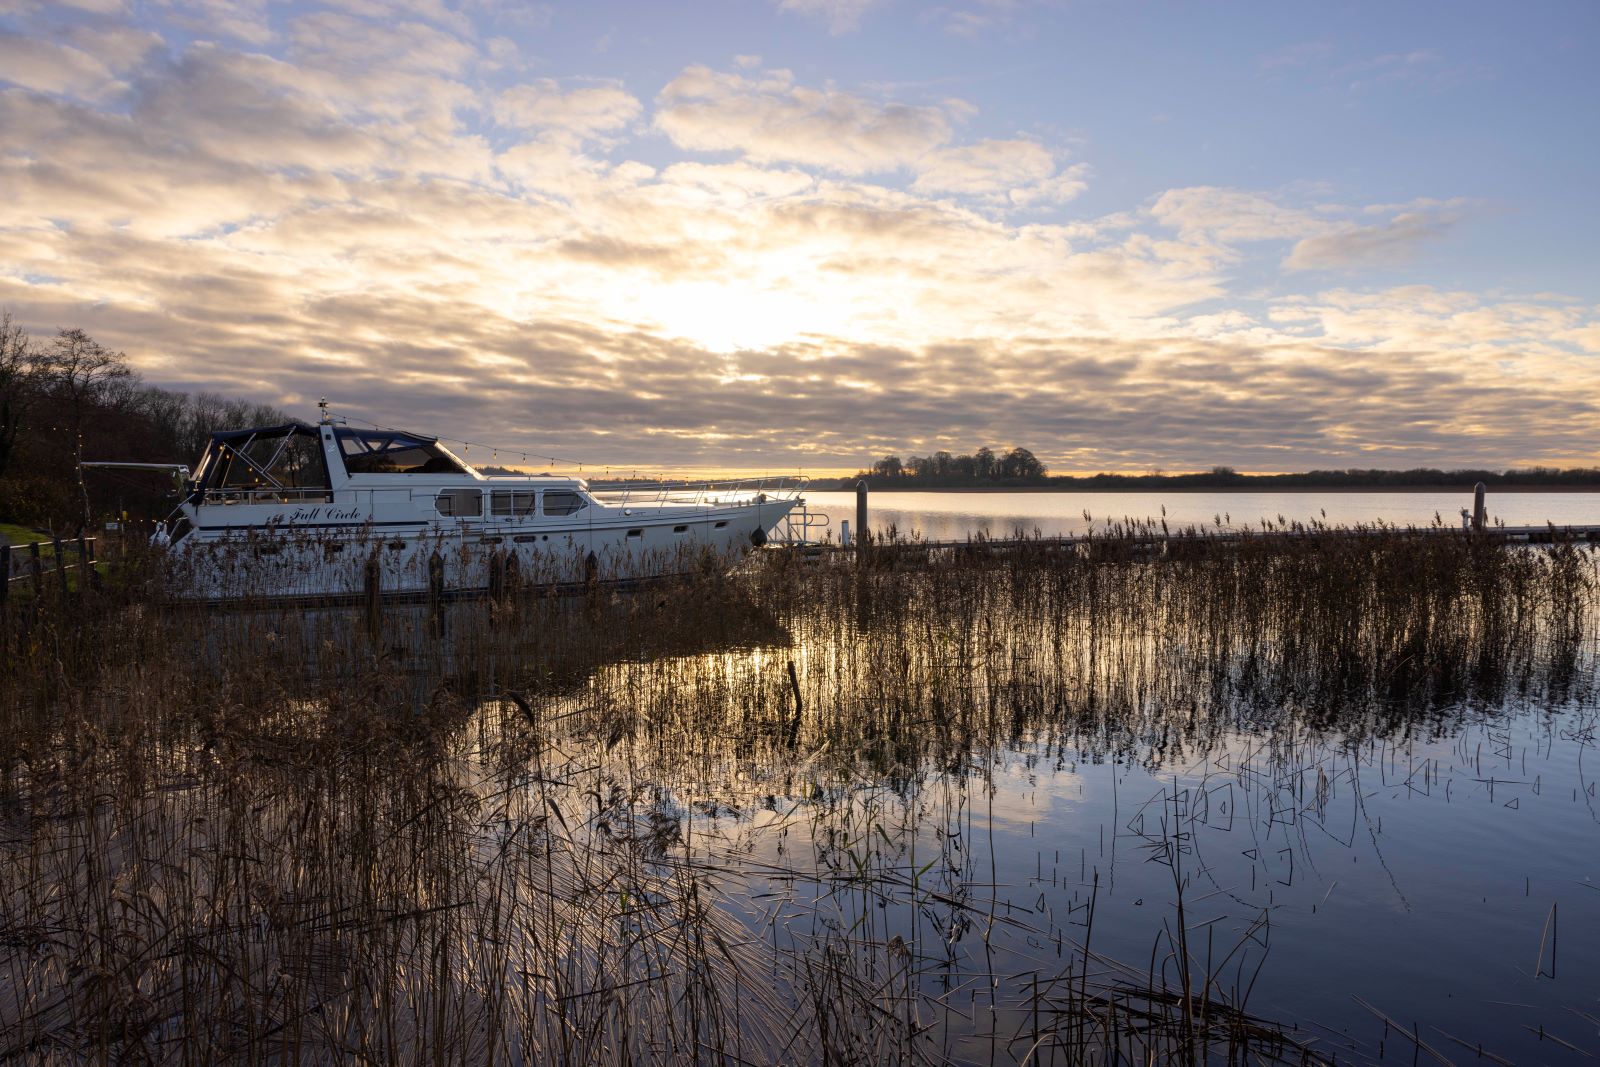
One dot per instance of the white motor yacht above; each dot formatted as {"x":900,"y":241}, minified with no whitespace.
{"x":301,"y":510}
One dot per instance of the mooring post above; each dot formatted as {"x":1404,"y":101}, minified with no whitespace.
{"x":374,"y":592}
{"x":497,"y":576}
{"x":513,"y":576}
{"x":861,"y":512}
{"x":1480,"y":514}
{"x":436,"y":591}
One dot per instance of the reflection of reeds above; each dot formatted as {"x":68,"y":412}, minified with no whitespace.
{"x":725,"y":818}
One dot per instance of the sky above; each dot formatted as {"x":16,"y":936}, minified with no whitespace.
{"x":803,"y":234}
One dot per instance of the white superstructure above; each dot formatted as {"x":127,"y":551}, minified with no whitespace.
{"x":301,"y":510}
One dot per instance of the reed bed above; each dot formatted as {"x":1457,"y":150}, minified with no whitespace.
{"x":727,"y":818}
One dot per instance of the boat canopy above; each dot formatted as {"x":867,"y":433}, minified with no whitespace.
{"x":269,"y":457}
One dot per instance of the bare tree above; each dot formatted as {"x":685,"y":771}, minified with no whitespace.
{"x":81,"y":372}
{"x":19,"y":384}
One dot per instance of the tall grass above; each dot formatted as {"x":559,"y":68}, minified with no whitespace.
{"x":726,"y":818}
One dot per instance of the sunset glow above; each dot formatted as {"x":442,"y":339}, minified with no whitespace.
{"x":803,"y":235}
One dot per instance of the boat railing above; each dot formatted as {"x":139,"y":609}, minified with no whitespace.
{"x":801,"y":527}
{"x":267,"y":496}
{"x":724,"y":493}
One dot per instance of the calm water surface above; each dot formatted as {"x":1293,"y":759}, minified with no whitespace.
{"x":1433,"y":858}
{"x":954,"y":516}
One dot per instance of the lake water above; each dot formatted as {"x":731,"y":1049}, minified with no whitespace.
{"x":957,"y":515}
{"x":1358,"y":830}
{"x":1001,"y":808}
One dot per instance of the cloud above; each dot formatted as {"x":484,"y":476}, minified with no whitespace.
{"x":840,"y":16}
{"x":984,"y":169}
{"x":1233,"y":215}
{"x":584,"y":111}
{"x":1388,"y":244}
{"x":1007,"y":173}
{"x":50,"y":67}
{"x":239,"y":20}
{"x":768,"y":118}
{"x":981,"y":17}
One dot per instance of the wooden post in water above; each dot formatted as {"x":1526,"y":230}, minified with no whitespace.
{"x":513,"y":576}
{"x":861,"y":512}
{"x":497,"y":576}
{"x":436,"y":592}
{"x":374,"y":593}
{"x":1480,"y":514}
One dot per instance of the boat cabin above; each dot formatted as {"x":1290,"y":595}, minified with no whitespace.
{"x":374,"y":470}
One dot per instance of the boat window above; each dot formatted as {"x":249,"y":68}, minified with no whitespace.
{"x":461,"y":503}
{"x":389,"y":452}
{"x":512,"y":503}
{"x":282,"y":458}
{"x":562,"y":502}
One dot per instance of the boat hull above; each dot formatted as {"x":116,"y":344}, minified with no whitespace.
{"x":240,"y":556}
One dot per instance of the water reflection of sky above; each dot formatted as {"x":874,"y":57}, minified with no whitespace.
{"x":952,"y":516}
{"x":1421,"y":879}
{"x":1408,"y":854}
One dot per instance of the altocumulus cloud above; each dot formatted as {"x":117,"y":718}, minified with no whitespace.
{"x":731,"y":267}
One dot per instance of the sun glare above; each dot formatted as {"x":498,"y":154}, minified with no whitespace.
{"x":722,"y":317}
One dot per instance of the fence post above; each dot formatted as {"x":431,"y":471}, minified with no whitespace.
{"x":94,"y":575}
{"x":61,"y":566}
{"x":36,"y":569}
{"x":83,"y":567}
{"x":5,"y":569}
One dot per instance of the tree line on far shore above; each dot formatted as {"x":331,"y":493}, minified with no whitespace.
{"x":70,"y":398}
{"x":1019,"y":468}
{"x":984,"y":465}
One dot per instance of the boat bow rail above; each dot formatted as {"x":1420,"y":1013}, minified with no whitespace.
{"x":727,"y":493}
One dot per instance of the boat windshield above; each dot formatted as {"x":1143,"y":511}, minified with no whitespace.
{"x":391,"y":452}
